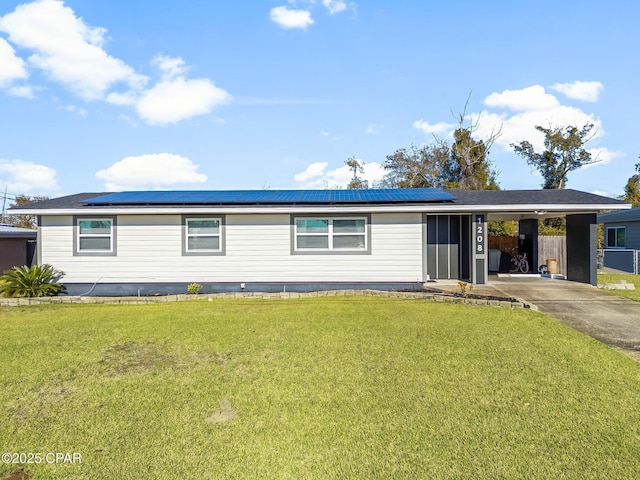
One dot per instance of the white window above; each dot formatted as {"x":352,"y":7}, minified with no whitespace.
{"x":203,"y":235}
{"x":95,"y":235}
{"x":315,"y":234}
{"x":616,"y":237}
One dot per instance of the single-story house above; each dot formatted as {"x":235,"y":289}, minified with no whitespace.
{"x":17,"y":246}
{"x":152,"y":242}
{"x":622,"y":240}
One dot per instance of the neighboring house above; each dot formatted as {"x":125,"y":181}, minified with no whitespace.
{"x":158,"y":242}
{"x":17,"y":246}
{"x":622,"y":240}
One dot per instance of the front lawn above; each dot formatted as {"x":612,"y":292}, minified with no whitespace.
{"x":317,"y":388}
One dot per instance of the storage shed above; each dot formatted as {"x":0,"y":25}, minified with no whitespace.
{"x":17,"y":246}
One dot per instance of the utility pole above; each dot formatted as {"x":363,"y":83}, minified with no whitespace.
{"x":4,"y":204}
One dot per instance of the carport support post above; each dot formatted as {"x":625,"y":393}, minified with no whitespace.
{"x":479,"y":255}
{"x":529,"y":242}
{"x":581,"y":248}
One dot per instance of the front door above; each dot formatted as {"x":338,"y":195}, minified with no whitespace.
{"x":447,"y":253}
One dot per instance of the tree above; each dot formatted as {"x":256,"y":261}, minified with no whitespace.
{"x":632,"y":188}
{"x":461,"y":164}
{"x":25,"y":221}
{"x":564,"y":152}
{"x":470,"y":167}
{"x":356,"y":166}
{"x":417,"y":167}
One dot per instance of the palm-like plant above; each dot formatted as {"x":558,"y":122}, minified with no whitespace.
{"x":35,"y":281}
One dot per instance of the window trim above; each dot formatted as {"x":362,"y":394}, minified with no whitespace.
{"x":113,"y":236}
{"x":185,"y":235}
{"x":616,"y":228}
{"x":317,"y":251}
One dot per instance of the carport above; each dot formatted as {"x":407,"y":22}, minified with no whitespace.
{"x":466,"y":255}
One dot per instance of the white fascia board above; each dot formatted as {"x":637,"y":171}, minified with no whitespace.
{"x":319,"y":209}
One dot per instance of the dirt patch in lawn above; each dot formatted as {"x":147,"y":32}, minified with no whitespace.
{"x":18,"y":474}
{"x":34,"y":402}
{"x":151,"y":357}
{"x":225,"y":413}
{"x":141,"y":358}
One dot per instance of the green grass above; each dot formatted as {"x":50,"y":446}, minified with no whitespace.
{"x":331,"y":388}
{"x":628,"y":277}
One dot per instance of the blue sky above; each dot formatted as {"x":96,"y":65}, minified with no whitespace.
{"x":101,"y":95}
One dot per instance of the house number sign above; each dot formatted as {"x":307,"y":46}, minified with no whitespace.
{"x":479,"y":234}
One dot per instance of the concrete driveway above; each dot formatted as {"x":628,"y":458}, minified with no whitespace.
{"x":602,"y":315}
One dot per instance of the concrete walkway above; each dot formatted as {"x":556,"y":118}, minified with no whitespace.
{"x":611,"y":319}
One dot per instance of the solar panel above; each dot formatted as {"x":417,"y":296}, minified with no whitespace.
{"x":271,"y":197}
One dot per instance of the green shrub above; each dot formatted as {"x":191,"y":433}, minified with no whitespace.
{"x":35,"y":281}
{"x":194,"y":288}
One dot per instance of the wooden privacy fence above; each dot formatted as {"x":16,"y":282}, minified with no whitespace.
{"x":502,"y":243}
{"x":548,"y":247}
{"x":553,"y":247}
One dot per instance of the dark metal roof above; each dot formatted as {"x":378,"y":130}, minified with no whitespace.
{"x":16,"y":232}
{"x":458,"y":197}
{"x":632,"y":215}
{"x":273,"y":197}
{"x":69,"y":201}
{"x":529,"y":197}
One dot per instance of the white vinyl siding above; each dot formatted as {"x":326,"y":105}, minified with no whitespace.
{"x":257,"y":249}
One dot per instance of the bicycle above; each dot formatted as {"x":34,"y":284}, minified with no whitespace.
{"x":519,"y":262}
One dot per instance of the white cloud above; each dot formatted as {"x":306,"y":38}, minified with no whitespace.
{"x":521,"y":126}
{"x":67,"y":49}
{"x":171,"y":67}
{"x":71,"y":53}
{"x":174,"y":98}
{"x":75,"y":109}
{"x":516,"y":113}
{"x":159,"y":170}
{"x":23,"y":91}
{"x":27,"y":178}
{"x":179,"y":99}
{"x":524,"y":100}
{"x":11,"y":66}
{"x":316,"y":176}
{"x":373,"y":172}
{"x":289,"y":18}
{"x":437,"y":129}
{"x":314,"y":170}
{"x":122,"y":99}
{"x":585,"y":91}
{"x":328,"y":135}
{"x":373,"y":129}
{"x":334,"y":6}
{"x":603,"y":155}
{"x":127,"y":119}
